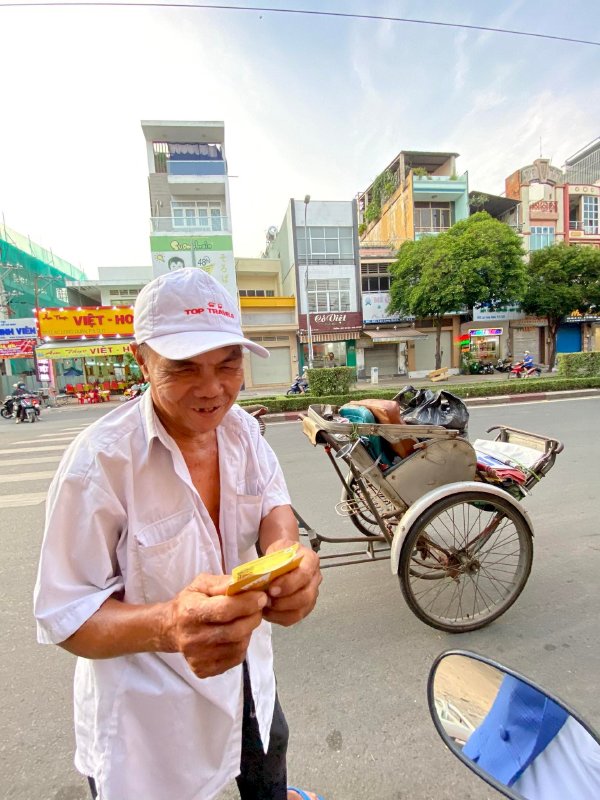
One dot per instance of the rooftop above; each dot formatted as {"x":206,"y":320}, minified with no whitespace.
{"x":212,"y":132}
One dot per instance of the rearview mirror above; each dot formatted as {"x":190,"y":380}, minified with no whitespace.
{"x":516,"y":736}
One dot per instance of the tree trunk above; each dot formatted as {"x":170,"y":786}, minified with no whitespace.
{"x":438,"y":344}
{"x":553,"y":332}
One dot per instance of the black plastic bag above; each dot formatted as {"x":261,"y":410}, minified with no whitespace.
{"x":424,"y":407}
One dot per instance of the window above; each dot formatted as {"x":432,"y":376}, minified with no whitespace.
{"x":256,"y":292}
{"x":328,"y":295}
{"x":590,"y":214}
{"x":63,"y":295}
{"x":541,"y":236}
{"x":432,"y":216}
{"x":326,"y":242}
{"x":376,"y":283}
{"x":202,"y":215}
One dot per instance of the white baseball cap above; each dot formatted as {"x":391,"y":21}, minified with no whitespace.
{"x":186,"y":313}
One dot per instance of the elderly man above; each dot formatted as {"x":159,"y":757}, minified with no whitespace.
{"x":150,"y":510}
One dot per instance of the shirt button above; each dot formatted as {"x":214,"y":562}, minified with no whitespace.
{"x":504,"y":734}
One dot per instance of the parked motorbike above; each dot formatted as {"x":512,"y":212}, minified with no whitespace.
{"x":503,"y":365}
{"x":299,"y":386}
{"x":512,"y":733}
{"x":519,"y":370}
{"x":7,"y":407}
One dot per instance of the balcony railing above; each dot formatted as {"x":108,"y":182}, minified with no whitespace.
{"x":444,"y":178}
{"x":189,"y":167}
{"x":585,"y":227}
{"x":196,"y":225}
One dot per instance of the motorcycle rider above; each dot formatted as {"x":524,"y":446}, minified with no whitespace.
{"x":19,"y":389}
{"x":528,"y":360}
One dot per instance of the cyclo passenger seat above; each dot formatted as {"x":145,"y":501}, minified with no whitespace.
{"x":385,"y":412}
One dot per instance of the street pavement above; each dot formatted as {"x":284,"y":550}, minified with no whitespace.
{"x":352,"y":677}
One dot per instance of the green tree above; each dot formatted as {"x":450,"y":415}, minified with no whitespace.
{"x":561,"y":279}
{"x":478,"y":261}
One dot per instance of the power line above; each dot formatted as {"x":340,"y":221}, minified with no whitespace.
{"x":306,"y":12}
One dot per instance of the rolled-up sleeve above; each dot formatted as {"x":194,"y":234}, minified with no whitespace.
{"x":78,"y":569}
{"x":273,"y":489}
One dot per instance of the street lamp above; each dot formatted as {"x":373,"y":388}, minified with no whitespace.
{"x":308,"y":327}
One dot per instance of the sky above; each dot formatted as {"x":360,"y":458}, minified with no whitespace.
{"x":311,"y":105}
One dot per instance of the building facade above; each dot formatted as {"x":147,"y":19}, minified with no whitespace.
{"x":418,"y":194}
{"x":31,"y":276}
{"x":189,"y":199}
{"x":317,"y":244}
{"x":268,"y":317}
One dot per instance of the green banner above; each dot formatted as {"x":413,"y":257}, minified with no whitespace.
{"x":200,"y":244}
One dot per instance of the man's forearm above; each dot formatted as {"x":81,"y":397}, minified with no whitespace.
{"x":279,"y":525}
{"x":120,"y":629}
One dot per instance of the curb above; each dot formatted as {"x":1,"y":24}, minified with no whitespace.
{"x":292,"y":416}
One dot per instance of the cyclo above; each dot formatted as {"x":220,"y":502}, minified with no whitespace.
{"x":450,"y":516}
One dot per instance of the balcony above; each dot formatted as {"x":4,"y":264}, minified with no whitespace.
{"x":584,"y":227}
{"x":196,"y":225}
{"x":193,"y":168}
{"x":421,"y":232}
{"x":439,"y":187}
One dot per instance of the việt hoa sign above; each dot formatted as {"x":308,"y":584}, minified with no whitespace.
{"x":80,"y":350}
{"x":74,"y":323}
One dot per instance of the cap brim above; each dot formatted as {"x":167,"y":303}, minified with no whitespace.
{"x":177,"y":346}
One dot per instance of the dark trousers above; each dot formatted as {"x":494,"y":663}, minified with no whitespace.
{"x":263,"y":776}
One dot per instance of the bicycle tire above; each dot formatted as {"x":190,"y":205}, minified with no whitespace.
{"x":418,"y":540}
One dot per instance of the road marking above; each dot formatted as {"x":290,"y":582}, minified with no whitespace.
{"x":28,"y":476}
{"x":21,"y":462}
{"x":49,"y":447}
{"x":531,"y":402}
{"x":18,"y":500}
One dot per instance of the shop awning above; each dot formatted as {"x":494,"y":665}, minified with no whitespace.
{"x":334,"y":336}
{"x":400,"y":335}
{"x":87,"y":347}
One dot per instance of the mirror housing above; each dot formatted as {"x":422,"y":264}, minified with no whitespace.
{"x":524,"y":742}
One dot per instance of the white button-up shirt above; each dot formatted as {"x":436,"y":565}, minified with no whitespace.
{"x":123,"y":515}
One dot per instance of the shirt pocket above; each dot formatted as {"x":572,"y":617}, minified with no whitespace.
{"x":170,"y":554}
{"x":248,"y":519}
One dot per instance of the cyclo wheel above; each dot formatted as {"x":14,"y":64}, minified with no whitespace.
{"x":465,"y":561}
{"x":363,"y":519}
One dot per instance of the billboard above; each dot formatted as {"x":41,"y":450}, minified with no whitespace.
{"x":17,"y":348}
{"x":374,"y":306}
{"x":17,"y":329}
{"x":213,"y":254}
{"x":73,"y":323}
{"x":502,"y":313}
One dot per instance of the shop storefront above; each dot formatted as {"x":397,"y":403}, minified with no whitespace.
{"x":391,"y":351}
{"x":333,"y":337}
{"x":88,"y":346}
{"x":484,"y":344}
{"x":17,"y":342}
{"x":528,"y":334}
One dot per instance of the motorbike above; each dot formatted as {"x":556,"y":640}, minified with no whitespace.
{"x":26,"y":408}
{"x":519,"y":370}
{"x":6,"y":411}
{"x":299,"y":386}
{"x":515,"y":735}
{"x":481,"y":368}
{"x":503,"y":365}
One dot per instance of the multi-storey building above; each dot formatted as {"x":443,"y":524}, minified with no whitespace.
{"x":418,"y":194}
{"x":31,"y":276}
{"x":268,"y":317}
{"x":546,"y":206}
{"x":189,"y":198}
{"x":317,"y":244}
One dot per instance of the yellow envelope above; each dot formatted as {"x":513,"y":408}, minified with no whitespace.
{"x":259,"y":573}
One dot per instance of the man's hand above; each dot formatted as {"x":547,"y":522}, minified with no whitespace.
{"x":293,"y":596}
{"x":211,"y":630}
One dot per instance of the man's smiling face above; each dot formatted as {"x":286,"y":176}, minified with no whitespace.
{"x":191,"y":396}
